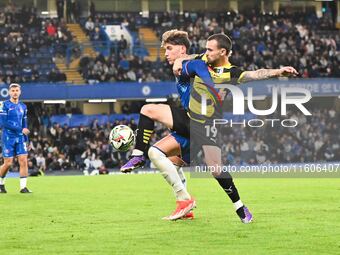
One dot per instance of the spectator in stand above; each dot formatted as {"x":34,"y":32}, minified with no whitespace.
{"x":314,"y":139}
{"x":41,"y":162}
{"x":92,"y":10}
{"x":60,"y":8}
{"x":258,"y":41}
{"x":89,"y":26}
{"x":25,"y":41}
{"x":95,"y":36}
{"x":56,"y":76}
{"x":75,"y":10}
{"x":122,"y":45}
{"x":51,"y":30}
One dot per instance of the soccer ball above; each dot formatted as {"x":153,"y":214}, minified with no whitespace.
{"x":122,"y":138}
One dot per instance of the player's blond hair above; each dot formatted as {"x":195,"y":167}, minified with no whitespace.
{"x":176,"y":37}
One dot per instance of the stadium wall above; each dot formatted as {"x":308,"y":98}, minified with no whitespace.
{"x":137,"y":91}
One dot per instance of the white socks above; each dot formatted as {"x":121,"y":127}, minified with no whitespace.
{"x":181,"y":175}
{"x":169,"y":172}
{"x":238,"y":205}
{"x":136,"y":152}
{"x":23,"y":182}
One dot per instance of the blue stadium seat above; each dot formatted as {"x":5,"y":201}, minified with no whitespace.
{"x":33,"y":61}
{"x":43,"y":78}
{"x":134,"y":116}
{"x":60,"y":119}
{"x":44,"y":50}
{"x":102,"y":119}
{"x":114,"y":117}
{"x":77,"y":120}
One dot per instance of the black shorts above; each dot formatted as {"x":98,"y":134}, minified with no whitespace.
{"x":181,"y":121}
{"x":204,"y":134}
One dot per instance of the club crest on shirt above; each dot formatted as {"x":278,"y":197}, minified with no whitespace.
{"x":219,"y":70}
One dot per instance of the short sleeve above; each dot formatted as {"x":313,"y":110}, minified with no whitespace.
{"x":236,"y":74}
{"x":192,"y":68}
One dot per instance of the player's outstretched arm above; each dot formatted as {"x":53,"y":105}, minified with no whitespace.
{"x":177,"y":67}
{"x":263,"y":74}
{"x":198,"y":68}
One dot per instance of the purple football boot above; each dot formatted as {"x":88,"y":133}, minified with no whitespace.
{"x":133,"y":163}
{"x":249,"y":216}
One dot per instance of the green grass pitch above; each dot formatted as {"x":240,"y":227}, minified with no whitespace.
{"x":122,"y":215}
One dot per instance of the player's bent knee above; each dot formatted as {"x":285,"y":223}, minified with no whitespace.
{"x":8,"y":161}
{"x":216,"y":170}
{"x":216,"y":174}
{"x":148,"y":110}
{"x":153,"y":111}
{"x":8,"y":164}
{"x":22,"y":157}
{"x":22,"y":162}
{"x":154,"y":153}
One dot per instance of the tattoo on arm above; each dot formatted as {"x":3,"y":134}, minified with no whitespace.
{"x":260,"y":74}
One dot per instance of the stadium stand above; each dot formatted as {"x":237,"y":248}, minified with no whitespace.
{"x":28,"y":45}
{"x":62,"y":142}
{"x":265,"y":41}
{"x":315,"y":139}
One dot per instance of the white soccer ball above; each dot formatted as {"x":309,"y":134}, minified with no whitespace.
{"x":122,"y":138}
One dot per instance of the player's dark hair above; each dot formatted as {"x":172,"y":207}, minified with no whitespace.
{"x":176,"y":37}
{"x":223,"y":41}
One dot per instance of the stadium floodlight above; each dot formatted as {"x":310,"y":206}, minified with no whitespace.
{"x":109,"y":100}
{"x":54,"y":101}
{"x":102,"y":100}
{"x":95,"y":101}
{"x":155,"y":100}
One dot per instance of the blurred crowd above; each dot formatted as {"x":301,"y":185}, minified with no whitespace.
{"x":28,"y":44}
{"x":316,"y":138}
{"x":302,"y":40}
{"x":87,"y":149}
{"x":123,"y":68}
{"x":311,"y":44}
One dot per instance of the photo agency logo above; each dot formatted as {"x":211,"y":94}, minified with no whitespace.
{"x":289,"y":96}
